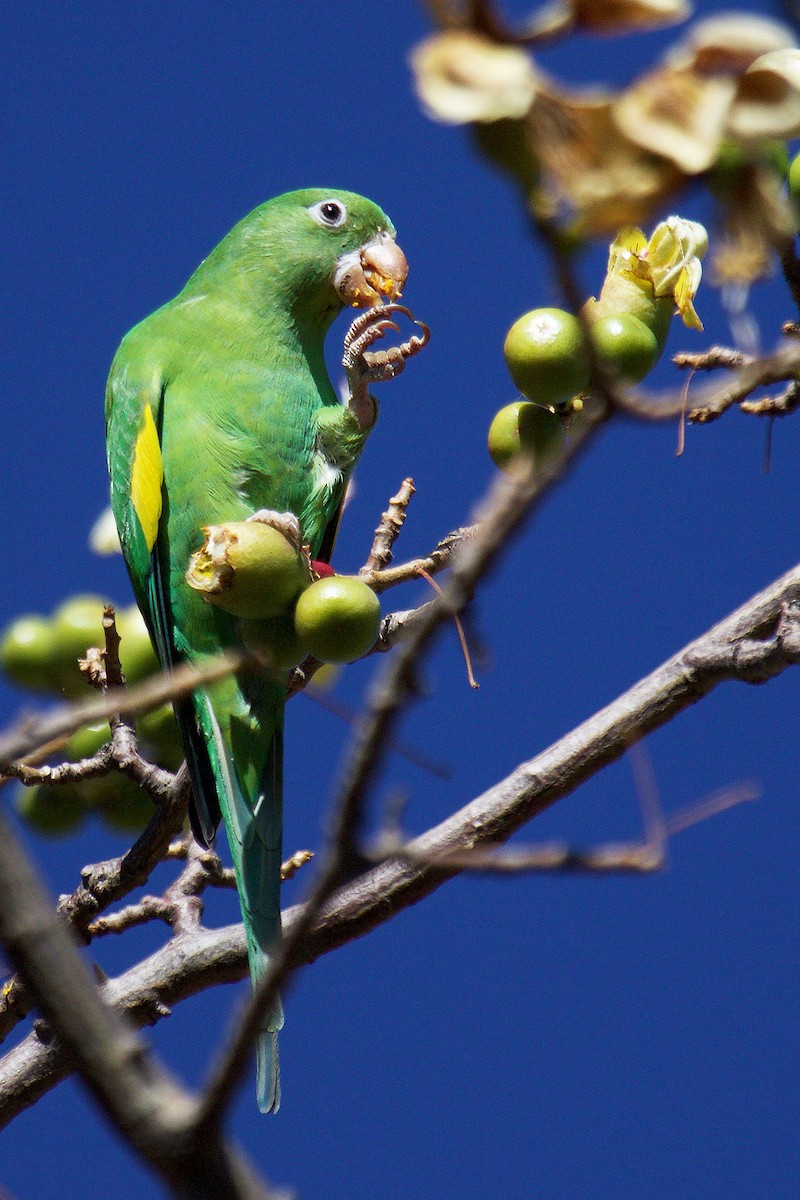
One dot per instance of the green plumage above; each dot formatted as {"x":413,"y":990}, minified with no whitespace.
{"x":246,"y":417}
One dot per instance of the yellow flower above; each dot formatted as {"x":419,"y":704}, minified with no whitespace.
{"x":669,"y":262}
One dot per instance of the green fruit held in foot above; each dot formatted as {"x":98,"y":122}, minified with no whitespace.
{"x":626,"y":346}
{"x":77,"y":625}
{"x":26,"y":654}
{"x":52,"y":811}
{"x":523,"y":429}
{"x":248,"y":568}
{"x":338,"y":618}
{"x":546,"y":356}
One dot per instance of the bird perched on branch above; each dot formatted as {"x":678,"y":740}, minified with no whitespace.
{"x":219,"y":409}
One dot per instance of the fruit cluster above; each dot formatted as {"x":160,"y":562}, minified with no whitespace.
{"x":289,"y":607}
{"x":41,"y":653}
{"x":549,"y":352}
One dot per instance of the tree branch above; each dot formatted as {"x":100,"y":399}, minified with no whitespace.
{"x":715,"y":398}
{"x":31,"y":734}
{"x":753,"y":644}
{"x":152,"y":1113}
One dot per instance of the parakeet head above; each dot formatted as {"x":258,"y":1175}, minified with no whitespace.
{"x":317,"y":249}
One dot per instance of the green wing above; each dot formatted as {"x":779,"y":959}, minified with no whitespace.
{"x":134,"y":411}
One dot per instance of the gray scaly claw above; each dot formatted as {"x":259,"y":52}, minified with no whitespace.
{"x":364,"y":366}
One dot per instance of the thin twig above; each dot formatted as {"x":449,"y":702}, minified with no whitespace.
{"x":439,"y":558}
{"x":780,"y":405}
{"x":33,"y":733}
{"x":716,"y":358}
{"x":557,"y":857}
{"x":717,"y":396}
{"x":388,"y":530}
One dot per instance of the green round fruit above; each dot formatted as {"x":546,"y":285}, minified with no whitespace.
{"x":156,"y":724}
{"x":625,"y":345}
{"x":137,"y":656}
{"x":338,"y":618}
{"x":52,"y":811}
{"x":775,"y":154}
{"x":84,"y":742}
{"x":117,"y":799}
{"x":794,"y":179}
{"x":77,"y":625}
{"x":523,"y":429}
{"x":633,"y":297}
{"x":26,"y":653}
{"x":126,"y":809}
{"x":159,"y":740}
{"x":733,"y":169}
{"x":276,"y":642}
{"x":249,"y":569}
{"x":546,"y":356}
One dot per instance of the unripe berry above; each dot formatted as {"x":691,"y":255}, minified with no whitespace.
{"x":248,"y":568}
{"x":276,"y":642}
{"x":338,"y":618}
{"x":77,"y":625}
{"x":546,"y":356}
{"x":26,"y":653}
{"x":53,"y":811}
{"x":137,"y":657}
{"x":625,"y":345}
{"x":524,"y":430}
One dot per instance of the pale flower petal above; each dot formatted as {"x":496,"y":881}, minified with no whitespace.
{"x":103,"y":536}
{"x":628,"y":15}
{"x":767,"y":103}
{"x":678,"y":114}
{"x":606,"y":179}
{"x":674,"y":254}
{"x":461,"y":77}
{"x":729,"y":43}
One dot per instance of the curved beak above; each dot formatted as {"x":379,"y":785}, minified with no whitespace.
{"x":376,"y":270}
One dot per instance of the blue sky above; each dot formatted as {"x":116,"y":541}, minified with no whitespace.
{"x":544,"y":1037}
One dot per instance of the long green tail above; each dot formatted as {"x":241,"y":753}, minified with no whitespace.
{"x":241,"y":722}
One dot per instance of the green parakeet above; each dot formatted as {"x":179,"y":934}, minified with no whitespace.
{"x":218,"y":407}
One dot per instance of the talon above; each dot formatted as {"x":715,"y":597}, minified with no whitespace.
{"x":364,"y":366}
{"x":358,"y":348}
{"x":370,"y":317}
{"x":286,"y":523}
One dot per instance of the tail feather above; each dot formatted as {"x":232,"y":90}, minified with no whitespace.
{"x":268,"y":1072}
{"x":243,"y":744}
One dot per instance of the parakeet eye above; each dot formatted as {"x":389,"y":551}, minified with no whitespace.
{"x":330,"y":213}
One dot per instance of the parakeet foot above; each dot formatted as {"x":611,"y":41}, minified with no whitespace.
{"x":365,"y":366}
{"x":285,"y":522}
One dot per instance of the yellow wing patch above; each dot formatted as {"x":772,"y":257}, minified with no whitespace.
{"x":147,"y":477}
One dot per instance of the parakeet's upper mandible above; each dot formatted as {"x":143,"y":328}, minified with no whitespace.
{"x":218,"y":407}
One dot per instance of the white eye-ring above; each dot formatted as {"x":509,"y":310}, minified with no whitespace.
{"x":329,"y":213}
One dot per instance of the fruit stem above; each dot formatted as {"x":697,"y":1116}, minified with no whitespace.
{"x":473,"y":683}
